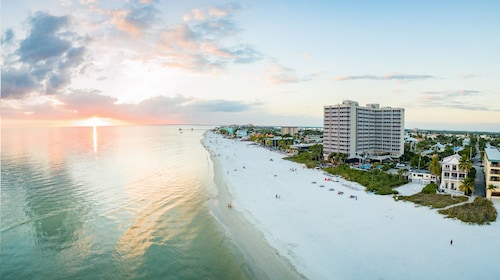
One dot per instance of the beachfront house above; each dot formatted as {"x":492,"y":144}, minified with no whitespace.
{"x":492,"y":171}
{"x":423,"y":177}
{"x":451,"y":176}
{"x":301,"y":147}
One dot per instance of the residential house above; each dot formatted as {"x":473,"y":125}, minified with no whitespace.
{"x":423,"y":177}
{"x":451,"y":176}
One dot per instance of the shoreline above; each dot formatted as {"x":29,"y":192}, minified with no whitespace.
{"x":325,"y":234}
{"x":261,"y":260}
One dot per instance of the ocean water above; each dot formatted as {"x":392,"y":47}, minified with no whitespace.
{"x":127,"y":202}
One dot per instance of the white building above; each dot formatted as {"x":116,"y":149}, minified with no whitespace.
{"x":492,"y":170}
{"x":423,"y":177}
{"x":451,"y":176}
{"x":240,"y":133}
{"x":370,"y":131}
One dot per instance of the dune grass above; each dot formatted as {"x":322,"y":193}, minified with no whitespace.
{"x":480,"y":211}
{"x":433,"y":200}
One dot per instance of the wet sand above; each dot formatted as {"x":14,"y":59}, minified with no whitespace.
{"x":261,"y":260}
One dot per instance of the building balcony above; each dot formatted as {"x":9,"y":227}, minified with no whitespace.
{"x":450,"y":169}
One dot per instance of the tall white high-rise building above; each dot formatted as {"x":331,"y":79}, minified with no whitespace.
{"x":363,"y":132}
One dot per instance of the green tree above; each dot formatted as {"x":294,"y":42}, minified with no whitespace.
{"x":491,"y":187}
{"x":419,"y":161}
{"x":281,"y":144}
{"x":467,"y":186}
{"x":465,"y":164}
{"x":401,"y":172}
{"x":430,"y":188}
{"x":448,"y":151}
{"x":435,"y":166}
{"x":316,"y":152}
{"x":334,"y":157}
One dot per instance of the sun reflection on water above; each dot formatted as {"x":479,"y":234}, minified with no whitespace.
{"x":94,"y":136}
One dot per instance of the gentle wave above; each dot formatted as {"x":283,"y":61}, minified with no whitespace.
{"x":132,"y":205}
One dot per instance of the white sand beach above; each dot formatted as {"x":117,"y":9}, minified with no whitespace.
{"x":354,"y":235}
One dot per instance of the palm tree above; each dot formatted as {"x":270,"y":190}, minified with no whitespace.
{"x":491,"y":187}
{"x":334,"y":157}
{"x":435,"y":167}
{"x":465,"y":164}
{"x":467,"y":186}
{"x":401,"y":172}
{"x":316,"y":152}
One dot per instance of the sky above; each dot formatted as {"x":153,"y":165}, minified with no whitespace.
{"x":74,"y":62}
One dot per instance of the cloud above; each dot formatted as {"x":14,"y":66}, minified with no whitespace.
{"x":220,"y":11}
{"x":397,"y":77}
{"x":455,"y":93}
{"x":78,"y":105}
{"x":43,"y":62}
{"x":45,"y":40}
{"x":217,"y":28}
{"x":159,"y":109}
{"x":135,"y":20}
{"x":196,"y":45}
{"x":223,"y":106}
{"x":182,"y":47}
{"x":17,"y":82}
{"x":278,"y":74}
{"x":466,"y":76}
{"x":457,"y":99}
{"x":8,"y":36}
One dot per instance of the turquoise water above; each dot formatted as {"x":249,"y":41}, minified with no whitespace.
{"x":111,"y":203}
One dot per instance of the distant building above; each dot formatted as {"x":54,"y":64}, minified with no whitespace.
{"x":241,"y":133}
{"x":313,"y":138}
{"x":363,"y":132}
{"x":290,"y":130}
{"x":492,"y":170}
{"x":296,"y":148}
{"x":466,"y":142}
{"x":438,"y":147}
{"x":451,"y":176}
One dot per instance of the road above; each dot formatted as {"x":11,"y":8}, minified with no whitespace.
{"x":479,"y":183}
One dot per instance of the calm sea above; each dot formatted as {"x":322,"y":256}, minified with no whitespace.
{"x":110,"y":203}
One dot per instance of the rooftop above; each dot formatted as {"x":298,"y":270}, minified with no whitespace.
{"x":493,"y":154}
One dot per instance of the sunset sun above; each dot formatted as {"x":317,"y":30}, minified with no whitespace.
{"x":94,"y":121}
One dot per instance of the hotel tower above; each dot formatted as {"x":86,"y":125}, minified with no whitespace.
{"x":363,"y":132}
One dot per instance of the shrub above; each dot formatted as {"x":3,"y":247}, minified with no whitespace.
{"x":480,"y":211}
{"x":430,"y":188}
{"x":433,"y":200}
{"x":373,"y":180}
